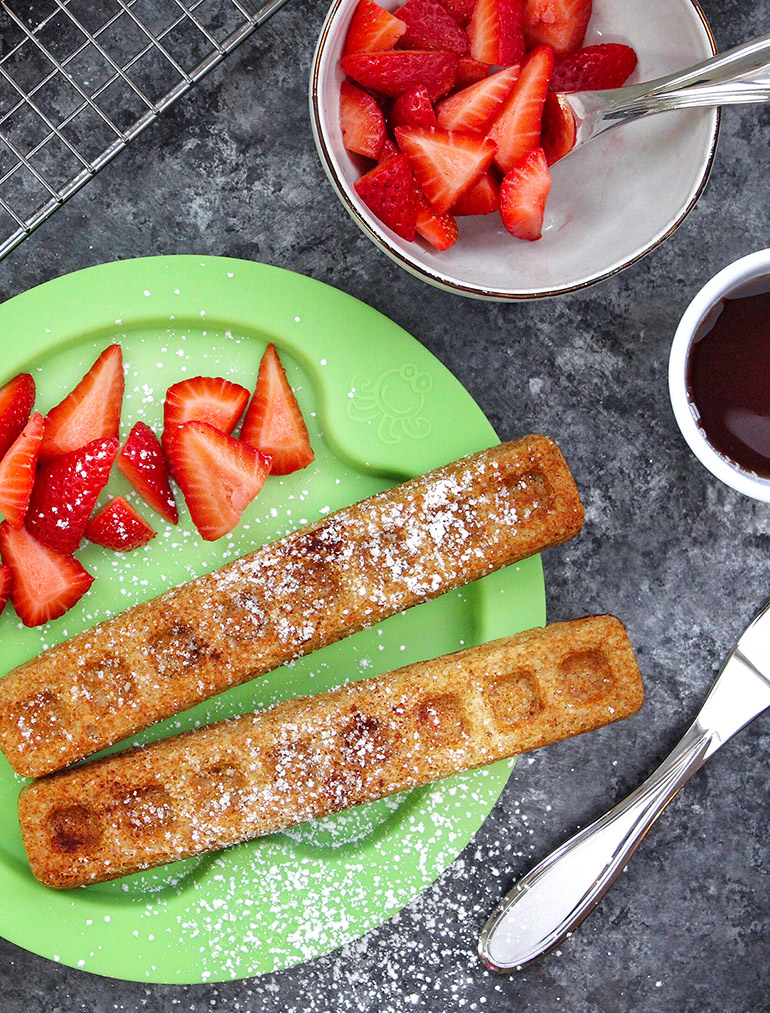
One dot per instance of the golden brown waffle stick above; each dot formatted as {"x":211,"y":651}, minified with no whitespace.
{"x":312,"y":756}
{"x":311,"y":588}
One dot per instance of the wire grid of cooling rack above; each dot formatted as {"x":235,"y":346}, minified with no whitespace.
{"x":80,"y":79}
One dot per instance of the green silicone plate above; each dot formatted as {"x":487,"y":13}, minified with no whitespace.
{"x":380,"y":409}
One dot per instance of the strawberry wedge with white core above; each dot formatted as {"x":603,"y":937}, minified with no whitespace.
{"x":17,"y":398}
{"x":516,"y":129}
{"x":476,"y":106}
{"x":17,"y":471}
{"x":523,"y":194}
{"x":446,"y":163}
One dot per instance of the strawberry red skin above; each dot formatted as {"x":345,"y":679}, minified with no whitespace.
{"x":438,"y":230}
{"x":523,"y":194}
{"x":388,"y":191}
{"x":516,"y":129}
{"x":143,"y":463}
{"x":558,"y":128}
{"x":6,"y":579}
{"x":90,"y":412}
{"x":372,"y":29}
{"x":560,"y":24}
{"x":461,"y":10}
{"x":446,"y":163}
{"x":361,"y":120}
{"x":496,"y":32}
{"x":218,"y":475}
{"x":430,"y":26}
{"x":45,"y":583}
{"x":395,"y":71}
{"x":274,"y":423}
{"x":65,"y":492}
{"x":118,"y":526}
{"x":593,"y":68}
{"x":413,"y":109}
{"x":17,"y":471}
{"x":476,"y":106}
{"x":389,"y":149}
{"x":482,"y":199}
{"x":17,"y":399}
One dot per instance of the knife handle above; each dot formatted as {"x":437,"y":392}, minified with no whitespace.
{"x":553,"y":899}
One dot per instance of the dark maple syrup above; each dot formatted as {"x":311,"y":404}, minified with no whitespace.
{"x":728,"y":379}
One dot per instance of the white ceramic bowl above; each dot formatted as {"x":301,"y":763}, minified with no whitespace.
{"x":746,"y":276}
{"x":611,"y":202}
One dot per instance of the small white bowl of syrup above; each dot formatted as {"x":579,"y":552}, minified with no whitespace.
{"x":719,"y":375}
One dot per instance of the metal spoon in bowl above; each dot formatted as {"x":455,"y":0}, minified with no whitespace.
{"x":739,"y":75}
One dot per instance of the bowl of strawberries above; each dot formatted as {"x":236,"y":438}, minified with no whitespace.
{"x":445,"y":128}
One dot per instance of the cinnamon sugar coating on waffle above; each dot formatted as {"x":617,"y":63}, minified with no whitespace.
{"x":315,"y":586}
{"x":312,"y":756}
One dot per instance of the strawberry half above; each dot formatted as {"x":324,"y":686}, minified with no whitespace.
{"x":388,"y":191}
{"x":396,"y":71}
{"x":593,"y":68}
{"x":496,"y":31}
{"x":413,"y":109}
{"x":516,"y":129}
{"x":6,"y":579}
{"x":446,"y":163}
{"x":558,"y":128}
{"x":65,"y":491}
{"x":523,"y":194}
{"x":439,"y":230}
{"x":90,"y":412}
{"x":17,"y":398}
{"x":209,"y":399}
{"x":17,"y":471}
{"x":475,"y":107}
{"x":560,"y":24}
{"x":142,"y":462}
{"x":469,"y":71}
{"x":46,"y":583}
{"x":372,"y":29}
{"x":218,"y":475}
{"x":430,"y":26}
{"x":118,"y":526}
{"x":481,"y":199}
{"x":361,"y":120}
{"x":274,"y":423}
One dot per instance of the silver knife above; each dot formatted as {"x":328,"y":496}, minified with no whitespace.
{"x":553,"y":899}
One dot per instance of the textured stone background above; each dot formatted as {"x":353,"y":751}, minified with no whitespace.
{"x":684,"y":561}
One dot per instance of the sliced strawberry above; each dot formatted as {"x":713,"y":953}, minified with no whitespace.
{"x":469,"y":71}
{"x":475,"y":107}
{"x":142,"y":462}
{"x":17,"y":398}
{"x":274,"y":422}
{"x":558,"y":128}
{"x":218,"y":475}
{"x":46,"y":583}
{"x":523,"y":194}
{"x":560,"y":24}
{"x":461,"y":10}
{"x":65,"y":491}
{"x":118,"y":526}
{"x":388,"y":150}
{"x":362,"y":122}
{"x":90,"y":412}
{"x":413,"y":109}
{"x":6,"y":579}
{"x":396,"y":71}
{"x":593,"y":68}
{"x":372,"y":29}
{"x":516,"y":130}
{"x":481,"y":199}
{"x":496,"y":31}
{"x":446,"y":163}
{"x":203,"y":399}
{"x":17,"y":471}
{"x":388,"y":191}
{"x":439,"y":230}
{"x":430,"y":26}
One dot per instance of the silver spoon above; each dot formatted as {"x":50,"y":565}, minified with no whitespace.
{"x":739,"y":75}
{"x":553,"y":899}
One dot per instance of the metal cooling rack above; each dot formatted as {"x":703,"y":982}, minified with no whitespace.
{"x":80,"y":79}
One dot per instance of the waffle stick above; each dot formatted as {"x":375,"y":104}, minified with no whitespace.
{"x":313,"y":756}
{"x":345,"y":572}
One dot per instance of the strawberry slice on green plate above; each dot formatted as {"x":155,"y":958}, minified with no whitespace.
{"x":376,"y":411}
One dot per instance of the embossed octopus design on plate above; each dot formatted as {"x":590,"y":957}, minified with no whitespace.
{"x":395,"y":401}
